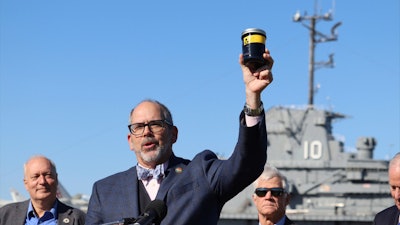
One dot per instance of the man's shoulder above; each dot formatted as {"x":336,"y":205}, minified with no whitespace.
{"x":205,"y":154}
{"x":12,"y":211}
{"x":63,"y":207}
{"x":15,"y":205}
{"x":289,"y":222}
{"x":117,"y":176}
{"x":390,"y":210}
{"x":66,"y":212}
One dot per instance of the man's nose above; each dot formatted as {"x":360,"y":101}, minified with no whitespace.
{"x":268,"y":194}
{"x":147,"y":131}
{"x":42,"y":179}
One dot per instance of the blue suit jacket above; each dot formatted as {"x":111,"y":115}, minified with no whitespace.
{"x":194,"y":191}
{"x":288,"y":221}
{"x":388,"y":216}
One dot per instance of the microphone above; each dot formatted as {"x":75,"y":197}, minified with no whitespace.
{"x":155,"y":212}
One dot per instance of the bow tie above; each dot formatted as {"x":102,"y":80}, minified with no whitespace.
{"x":147,"y":174}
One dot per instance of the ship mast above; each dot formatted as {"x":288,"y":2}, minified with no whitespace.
{"x":315,"y":38}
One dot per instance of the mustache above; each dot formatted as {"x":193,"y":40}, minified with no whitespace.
{"x":149,"y":140}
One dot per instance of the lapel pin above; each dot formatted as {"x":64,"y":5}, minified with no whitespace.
{"x":178,"y":170}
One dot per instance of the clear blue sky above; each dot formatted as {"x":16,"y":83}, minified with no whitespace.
{"x":70,"y":71}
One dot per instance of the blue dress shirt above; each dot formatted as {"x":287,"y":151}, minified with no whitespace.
{"x":49,"y":217}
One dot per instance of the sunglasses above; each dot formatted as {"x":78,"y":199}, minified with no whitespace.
{"x":276,"y":192}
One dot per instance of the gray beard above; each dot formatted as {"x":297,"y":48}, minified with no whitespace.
{"x":161,"y":151}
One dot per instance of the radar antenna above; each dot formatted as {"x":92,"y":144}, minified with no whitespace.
{"x":315,"y":38}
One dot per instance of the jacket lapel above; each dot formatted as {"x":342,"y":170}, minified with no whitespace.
{"x":133,"y":195}
{"x":176,"y":167}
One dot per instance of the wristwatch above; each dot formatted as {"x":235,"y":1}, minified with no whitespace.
{"x":253,"y":112}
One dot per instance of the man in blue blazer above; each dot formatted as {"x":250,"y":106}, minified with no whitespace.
{"x":391,"y":215}
{"x":193,"y":191}
{"x":43,"y":207}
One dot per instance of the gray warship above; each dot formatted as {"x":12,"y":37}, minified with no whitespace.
{"x":328,"y":185}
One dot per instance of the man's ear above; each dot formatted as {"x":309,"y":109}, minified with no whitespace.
{"x":130,"y":141}
{"x":174,"y":134}
{"x":253,"y":197}
{"x":288,"y":197}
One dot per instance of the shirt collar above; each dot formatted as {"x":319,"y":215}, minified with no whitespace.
{"x":280,"y":222}
{"x":165,"y":165}
{"x":31,"y":213}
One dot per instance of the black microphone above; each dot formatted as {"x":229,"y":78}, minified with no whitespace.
{"x":155,"y":212}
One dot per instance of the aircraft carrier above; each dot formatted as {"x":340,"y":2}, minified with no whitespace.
{"x":328,"y":185}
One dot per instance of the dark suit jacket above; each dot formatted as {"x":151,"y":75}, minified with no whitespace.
{"x":288,"y":221}
{"x":194,"y":191}
{"x":388,"y":216}
{"x":15,"y":214}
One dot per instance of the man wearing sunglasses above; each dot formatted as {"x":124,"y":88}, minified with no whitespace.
{"x":271,"y":197}
{"x":194,"y":191}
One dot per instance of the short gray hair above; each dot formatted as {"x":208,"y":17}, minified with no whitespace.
{"x":269,"y":173}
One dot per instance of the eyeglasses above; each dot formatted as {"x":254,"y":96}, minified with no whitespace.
{"x":155,"y":126}
{"x":276,"y":192}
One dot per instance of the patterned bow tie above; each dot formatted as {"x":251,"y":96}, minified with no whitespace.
{"x":147,"y":174}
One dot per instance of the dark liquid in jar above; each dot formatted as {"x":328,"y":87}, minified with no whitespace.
{"x":253,"y":55}
{"x":253,"y":48}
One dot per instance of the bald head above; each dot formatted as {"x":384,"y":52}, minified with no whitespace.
{"x":395,"y":162}
{"x":394,"y":179}
{"x":40,"y":179}
{"x":39,"y":158}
